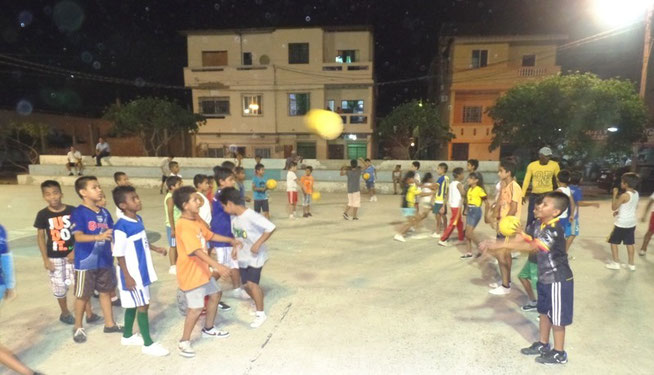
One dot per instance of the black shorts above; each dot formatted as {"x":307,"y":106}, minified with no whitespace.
{"x":622,"y":235}
{"x":102,"y":279}
{"x":163,"y":178}
{"x":555,"y":300}
{"x":261,"y":205}
{"x":71,"y":164}
{"x":251,"y":274}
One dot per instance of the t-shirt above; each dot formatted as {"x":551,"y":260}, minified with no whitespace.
{"x":131,"y":242}
{"x":410,"y":196}
{"x":307,"y":184}
{"x":4,"y":251}
{"x":508,"y":194}
{"x":417,"y":178}
{"x":552,"y":258}
{"x":476,"y":195}
{"x":165,"y":171}
{"x":221,"y":222}
{"x":259,"y":182}
{"x":205,"y":210}
{"x":353,"y":177}
{"x":176,"y":211}
{"x":241,"y":190}
{"x":541,"y":177}
{"x":577,"y":196}
{"x":626,"y":217}
{"x":73,"y":157}
{"x":291,"y":181}
{"x":59,"y":239}
{"x":103,"y":147}
{"x":371,"y":171}
{"x":565,"y":190}
{"x":443,"y":184}
{"x":248,"y":227}
{"x":92,"y":255}
{"x":425,"y":200}
{"x":191,"y":271}
{"x":454,"y":195}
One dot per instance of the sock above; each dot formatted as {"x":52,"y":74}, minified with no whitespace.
{"x":144,"y":327}
{"x":261,"y":313}
{"x":130,"y":315}
{"x":114,"y":298}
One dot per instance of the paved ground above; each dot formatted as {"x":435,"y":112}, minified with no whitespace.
{"x":343,"y":297}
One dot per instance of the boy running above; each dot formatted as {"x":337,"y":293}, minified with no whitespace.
{"x":306,"y":182}
{"x":624,"y":209}
{"x":455,"y":200}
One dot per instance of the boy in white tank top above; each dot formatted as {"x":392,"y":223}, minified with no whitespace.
{"x":624,"y":209}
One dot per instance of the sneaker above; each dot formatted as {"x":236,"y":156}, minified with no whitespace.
{"x":291,"y":216}
{"x":155,"y":349}
{"x":494,"y":285}
{"x":68,"y":319}
{"x":500,"y":291}
{"x":631,"y":267}
{"x":135,"y":340}
{"x":412,"y":229}
{"x":515,"y":254}
{"x":345,"y":216}
{"x":613,"y":266}
{"x":642,"y":252}
{"x":537,"y":348}
{"x":355,"y":218}
{"x":113,"y":329}
{"x":71,"y":174}
{"x":435,"y":235}
{"x":223,"y":306}
{"x":466,"y":255}
{"x":399,"y":237}
{"x":553,"y":357}
{"x":214,"y":333}
{"x":79,"y":336}
{"x":530,"y":306}
{"x":443,"y":243}
{"x":258,"y":321}
{"x":185,"y":349}
{"x":172,"y":270}
{"x":93,"y":318}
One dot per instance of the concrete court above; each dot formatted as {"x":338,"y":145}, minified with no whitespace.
{"x":343,"y":297}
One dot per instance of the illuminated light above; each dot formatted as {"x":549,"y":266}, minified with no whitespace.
{"x":612,"y":129}
{"x":620,"y":13}
{"x":413,"y":144}
{"x":254,"y":107}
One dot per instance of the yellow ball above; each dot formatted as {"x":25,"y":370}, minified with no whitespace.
{"x":327,"y":124}
{"x":315,"y":196}
{"x":271,"y":184}
{"x":366,"y":176}
{"x":508,"y":225}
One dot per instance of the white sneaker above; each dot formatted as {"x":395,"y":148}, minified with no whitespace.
{"x":214,"y":333}
{"x":291,"y":216}
{"x":185,"y":349}
{"x":515,"y":254}
{"x":172,"y":270}
{"x":155,"y":350}
{"x":258,"y":320}
{"x":443,"y":243}
{"x":613,"y":265}
{"x":399,"y":237}
{"x":435,"y":235}
{"x":500,"y":291}
{"x":135,"y":339}
{"x":494,"y":261}
{"x":494,"y":285}
{"x":631,"y":267}
{"x":412,"y":229}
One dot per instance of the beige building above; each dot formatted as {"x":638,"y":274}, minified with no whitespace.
{"x":254,"y":86}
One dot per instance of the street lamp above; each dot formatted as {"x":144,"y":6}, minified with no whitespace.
{"x":619,"y":13}
{"x":612,"y":129}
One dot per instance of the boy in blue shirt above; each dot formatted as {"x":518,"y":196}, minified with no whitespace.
{"x":372,"y":176}
{"x":259,"y":191}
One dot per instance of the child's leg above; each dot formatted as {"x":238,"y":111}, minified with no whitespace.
{"x":559,"y":337}
{"x":8,"y":359}
{"x":545,"y":326}
{"x":192,"y":316}
{"x":469,"y":235}
{"x":235,"y":275}
{"x":459,"y":228}
{"x":354,"y":211}
{"x":129,"y":318}
{"x":568,"y":242}
{"x":212,"y":309}
{"x":172,"y":255}
{"x":266,"y":214}
{"x":411,"y":221}
{"x":144,"y":324}
{"x":504,"y":259}
{"x":63,"y":305}
{"x":80,"y":306}
{"x":630,"y":252}
{"x":105,"y":305}
{"x":526,"y":283}
{"x":614,"y":253}
{"x":254,"y":290}
{"x":88,"y":310}
{"x":646,"y":239}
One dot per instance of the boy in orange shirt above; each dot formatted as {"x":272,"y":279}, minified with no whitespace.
{"x":306,"y":182}
{"x":196,"y":270}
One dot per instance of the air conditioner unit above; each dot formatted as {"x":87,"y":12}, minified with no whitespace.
{"x":444,"y":98}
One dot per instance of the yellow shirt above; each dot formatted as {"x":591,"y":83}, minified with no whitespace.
{"x":476,"y":195}
{"x":540,"y":176}
{"x":411,"y":195}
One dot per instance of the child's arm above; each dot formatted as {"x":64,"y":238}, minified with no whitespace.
{"x":616,"y":200}
{"x":525,"y":183}
{"x":159,"y":249}
{"x":83,"y":237}
{"x":130,"y":283}
{"x":485,"y":202}
{"x":264,"y":237}
{"x":587,"y":204}
{"x":647,"y":208}
{"x":40,"y":239}
{"x":217,"y":267}
{"x":218,"y":238}
{"x":572,"y":210}
{"x":171,"y":215}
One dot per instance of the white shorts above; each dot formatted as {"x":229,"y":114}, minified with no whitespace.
{"x":135,"y":298}
{"x":62,"y":277}
{"x":354,"y":199}
{"x":224,"y":257}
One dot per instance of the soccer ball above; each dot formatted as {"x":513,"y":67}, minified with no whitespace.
{"x":508,"y":225}
{"x":366,"y":176}
{"x":326,"y":124}
{"x":315,"y":196}
{"x":271,"y":184}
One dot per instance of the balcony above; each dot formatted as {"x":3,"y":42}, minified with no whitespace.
{"x":347,"y":67}
{"x":500,"y":77}
{"x":225,"y":76}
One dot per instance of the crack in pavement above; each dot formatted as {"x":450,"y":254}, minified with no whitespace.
{"x":286,"y":310}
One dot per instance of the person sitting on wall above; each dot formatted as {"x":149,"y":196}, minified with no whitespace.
{"x":102,"y":150}
{"x":74,"y":160}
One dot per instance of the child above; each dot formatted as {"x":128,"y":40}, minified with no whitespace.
{"x":441,"y":196}
{"x":92,"y":227}
{"x":172,"y":214}
{"x":650,"y":230}
{"x":472,"y":166}
{"x":201,"y":183}
{"x":307,"y":189}
{"x":136,"y":271}
{"x":211,"y":183}
{"x":416,"y":167}
{"x":291,"y":189}
{"x":555,"y":279}
{"x":194,"y":276}
{"x":259,"y":191}
{"x":566,"y":218}
{"x":174,"y":169}
{"x":425,"y":204}
{"x":397,"y":177}
{"x":577,"y":198}
{"x":455,"y":201}
{"x":239,"y":176}
{"x":121,"y":179}
{"x":528,"y":275}
{"x":476,"y":195}
{"x":165,"y":171}
{"x":353,"y":173}
{"x":372,"y":176}
{"x":410,"y":191}
{"x":254,"y":230}
{"x":624,"y":209}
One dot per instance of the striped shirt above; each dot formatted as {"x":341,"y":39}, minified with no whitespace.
{"x":131,"y":242}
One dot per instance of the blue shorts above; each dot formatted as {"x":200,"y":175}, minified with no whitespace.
{"x":306,"y":200}
{"x":437,"y":208}
{"x":555,"y":300}
{"x":567,"y":227}
{"x":474,"y":215}
{"x":251,"y":274}
{"x":169,"y":235}
{"x":370,"y":184}
{"x":572,"y":230}
{"x":408,"y":211}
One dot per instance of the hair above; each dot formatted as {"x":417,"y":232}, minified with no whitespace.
{"x":50,"y":183}
{"x":408,"y":175}
{"x":183,"y":195}
{"x":258,"y":156}
{"x":292,"y":164}
{"x":199,"y":178}
{"x":367,"y":160}
{"x":120,"y":192}
{"x":443,"y":165}
{"x":238,"y":170}
{"x":171,"y":164}
{"x":80,"y":183}
{"x":221,"y":174}
{"x":171,"y":156}
{"x":353,"y":163}
{"x":631,"y":179}
{"x":398,"y":165}
{"x":258,"y":167}
{"x":172,"y":181}
{"x":561,"y":201}
{"x":427,"y":177}
{"x":230,"y":194}
{"x":564,"y":176}
{"x":480,"y":179}
{"x":474,"y":163}
{"x":310,"y":168}
{"x":118,"y":175}
{"x":509,"y":166}
{"x":228,"y":164}
{"x":416,"y":164}
{"x":575,"y":178}
{"x":457,"y":171}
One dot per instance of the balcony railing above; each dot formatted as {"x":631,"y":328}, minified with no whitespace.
{"x":346,"y":67}
{"x":532,"y":71}
{"x":354,"y":118}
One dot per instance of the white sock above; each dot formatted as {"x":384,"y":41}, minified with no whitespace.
{"x":260,"y":313}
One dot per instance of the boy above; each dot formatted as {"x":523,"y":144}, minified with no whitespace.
{"x":372,"y":176}
{"x":174,"y":169}
{"x":92,"y":227}
{"x":624,"y":209}
{"x":353,"y":173}
{"x":567,"y":217}
{"x":239,"y":176}
{"x":455,"y":201}
{"x":136,"y":271}
{"x":254,"y":230}
{"x":397,"y":177}
{"x":415,"y":167}
{"x":650,"y":229}
{"x":74,"y":161}
{"x":172,"y":214}
{"x":439,"y":208}
{"x":577,"y":198}
{"x":201,"y":183}
{"x":194,"y":276}
{"x":165,"y":171}
{"x":555,"y":279}
{"x":121,"y":179}
{"x":291,"y":189}
{"x":259,"y":191}
{"x":307,"y":189}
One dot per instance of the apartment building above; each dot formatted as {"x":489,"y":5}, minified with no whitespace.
{"x":476,"y":71}
{"x":254,"y":87}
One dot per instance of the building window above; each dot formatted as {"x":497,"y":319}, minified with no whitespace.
{"x":264,"y":153}
{"x":214,"y":106}
{"x":214,"y":58}
{"x":358,"y":119}
{"x":247,"y":58}
{"x":335,"y":151}
{"x":330,"y":105}
{"x":529,"y":60}
{"x":352,"y":106}
{"x":472,"y":114}
{"x":298,"y":104}
{"x":298,"y":53}
{"x":216,"y":152}
{"x":347,"y":56}
{"x":252,"y":105}
{"x":306,"y":149}
{"x":479,"y":58}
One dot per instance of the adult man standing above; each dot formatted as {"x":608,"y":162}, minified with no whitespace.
{"x":74,"y":158}
{"x":542,"y":175}
{"x":102,"y":150}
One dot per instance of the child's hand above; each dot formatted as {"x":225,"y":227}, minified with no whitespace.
{"x":221,"y":271}
{"x":104,"y":236}
{"x":158,"y":249}
{"x":255,"y":248}
{"x":130,"y":283}
{"x":71,"y":257}
{"x":234,"y":253}
{"x":10,"y":294}
{"x":47,"y":264}
{"x":236,"y":245}
{"x":615,"y":192}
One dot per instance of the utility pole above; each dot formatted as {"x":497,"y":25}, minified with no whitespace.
{"x":647,"y":48}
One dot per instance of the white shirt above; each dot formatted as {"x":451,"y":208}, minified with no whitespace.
{"x":626,"y":217}
{"x":175,"y":174}
{"x":119,"y":214}
{"x":205,"y":210}
{"x":291,"y":181}
{"x":103,"y":147}
{"x":454,"y":195}
{"x":417,"y":179}
{"x":131,"y":242}
{"x":165,"y":171}
{"x":74,"y":157}
{"x":426,"y":200}
{"x":248,"y":228}
{"x":565,"y":190}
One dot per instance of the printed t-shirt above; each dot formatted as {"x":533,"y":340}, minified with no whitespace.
{"x":307,"y":184}
{"x":443,"y":182}
{"x":476,"y":195}
{"x":248,"y":228}
{"x":541,"y":177}
{"x":97,"y":254}
{"x":191,"y":236}
{"x":59,"y":239}
{"x":131,"y":242}
{"x":259,"y":182}
{"x":508,"y":194}
{"x":552,"y":258}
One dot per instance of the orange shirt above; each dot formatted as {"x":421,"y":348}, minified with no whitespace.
{"x":307,"y":184}
{"x":509,"y":194}
{"x":191,"y":236}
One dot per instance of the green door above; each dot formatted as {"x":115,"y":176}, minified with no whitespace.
{"x":357,"y":150}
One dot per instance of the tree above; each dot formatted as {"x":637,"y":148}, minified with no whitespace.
{"x":416,"y":123}
{"x":19,"y":141}
{"x":156,"y":121}
{"x":572,"y":113}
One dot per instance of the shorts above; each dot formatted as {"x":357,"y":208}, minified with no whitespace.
{"x":101,"y":279}
{"x":408,"y":211}
{"x":437,"y":208}
{"x":72,"y":164}
{"x":251,"y":274}
{"x":292,"y":197}
{"x":224,"y":257}
{"x":169,"y":235}
{"x":555,"y":300}
{"x":474,"y":215}
{"x":354,"y":199}
{"x":163,"y":178}
{"x":370,"y":184}
{"x":62,"y":277}
{"x":530,"y":272}
{"x":138,"y":297}
{"x":567,"y":226}
{"x":195,"y":297}
{"x":261,"y":205}
{"x":573,"y":229}
{"x":306,"y":200}
{"x":622,"y":235}
{"x":651,"y":222}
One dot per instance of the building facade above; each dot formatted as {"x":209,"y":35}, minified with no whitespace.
{"x":475,"y":72}
{"x":255,"y":86}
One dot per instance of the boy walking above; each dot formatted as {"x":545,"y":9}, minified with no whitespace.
{"x":353,"y":173}
{"x":171,"y":215}
{"x":291,"y":189}
{"x":306,"y":182}
{"x":624,"y":209}
{"x":259,"y":191}
{"x":455,"y":201}
{"x":441,"y":196}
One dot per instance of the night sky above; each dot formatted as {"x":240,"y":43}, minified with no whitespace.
{"x":137,"y":42}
